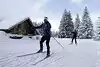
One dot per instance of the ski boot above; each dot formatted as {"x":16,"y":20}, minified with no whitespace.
{"x":48,"y":54}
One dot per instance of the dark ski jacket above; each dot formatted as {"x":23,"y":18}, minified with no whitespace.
{"x":46,"y":26}
{"x":74,"y":34}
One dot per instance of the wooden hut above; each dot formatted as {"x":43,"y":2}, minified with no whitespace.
{"x":23,"y":27}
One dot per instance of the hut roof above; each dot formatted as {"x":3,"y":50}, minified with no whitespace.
{"x":22,"y":21}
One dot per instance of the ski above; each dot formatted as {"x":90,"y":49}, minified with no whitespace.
{"x":70,"y":43}
{"x":43,"y":59}
{"x":30,"y":54}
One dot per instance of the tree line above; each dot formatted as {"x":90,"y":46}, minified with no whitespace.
{"x":84,"y":27}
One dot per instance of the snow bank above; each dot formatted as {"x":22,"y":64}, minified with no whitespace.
{"x":37,"y":37}
{"x":25,"y":37}
{"x":15,"y":35}
{"x":3,"y":36}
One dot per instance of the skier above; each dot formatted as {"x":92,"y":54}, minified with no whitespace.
{"x":46,"y":26}
{"x":74,"y":36}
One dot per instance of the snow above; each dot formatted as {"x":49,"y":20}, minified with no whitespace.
{"x":3,"y":36}
{"x":86,"y":54}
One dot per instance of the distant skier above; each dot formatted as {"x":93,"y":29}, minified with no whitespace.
{"x":46,"y":26}
{"x":74,"y":36}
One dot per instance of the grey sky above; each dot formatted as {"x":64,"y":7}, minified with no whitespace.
{"x":14,"y":10}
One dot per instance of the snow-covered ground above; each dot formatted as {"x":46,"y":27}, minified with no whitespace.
{"x":86,"y":54}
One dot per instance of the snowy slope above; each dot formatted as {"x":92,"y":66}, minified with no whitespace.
{"x":86,"y":54}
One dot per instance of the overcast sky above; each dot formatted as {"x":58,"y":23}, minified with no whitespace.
{"x":14,"y":10}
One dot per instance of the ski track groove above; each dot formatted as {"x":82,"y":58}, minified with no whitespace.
{"x":6,"y":57}
{"x":25,"y":63}
{"x":21,"y":63}
{"x":31,"y":59}
{"x":53,"y":61}
{"x":7,"y":60}
{"x":7,"y":63}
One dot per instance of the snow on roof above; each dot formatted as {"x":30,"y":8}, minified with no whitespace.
{"x":20,"y":22}
{"x":5,"y":24}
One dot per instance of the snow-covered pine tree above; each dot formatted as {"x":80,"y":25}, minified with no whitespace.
{"x":66,"y":25}
{"x":69,"y":26}
{"x":86,"y":26}
{"x":62,"y":33}
{"x":77,"y":23}
{"x":97,"y":29}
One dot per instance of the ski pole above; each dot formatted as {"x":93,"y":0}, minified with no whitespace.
{"x":58,"y":42}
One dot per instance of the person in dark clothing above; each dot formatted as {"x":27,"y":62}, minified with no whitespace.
{"x":46,"y":26}
{"x":74,"y":36}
